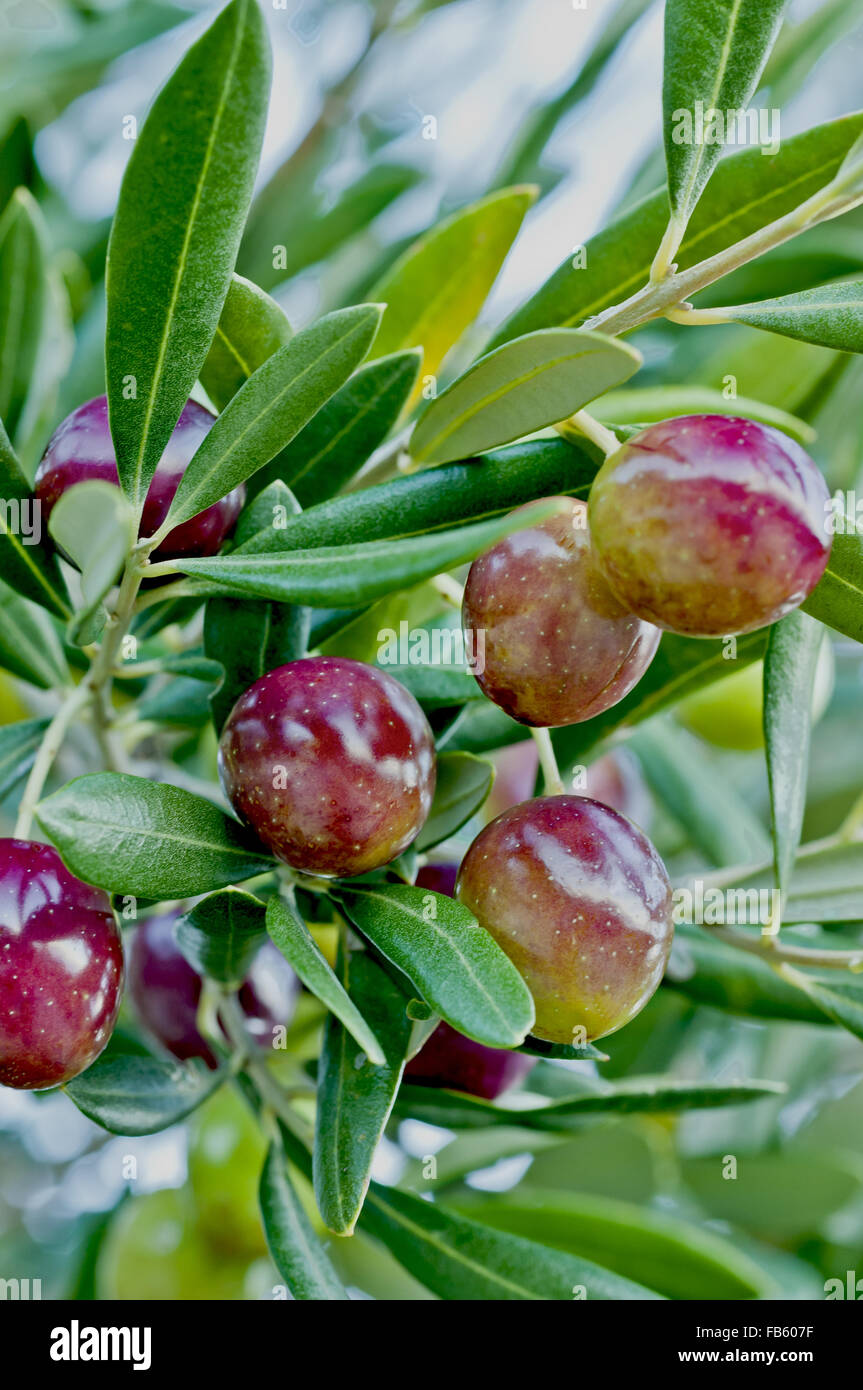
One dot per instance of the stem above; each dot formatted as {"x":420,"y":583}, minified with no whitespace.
{"x":48,"y":750}
{"x":663,"y":260}
{"x":657,"y":298}
{"x":769,"y":949}
{"x":449,"y":589}
{"x":695,"y":318}
{"x":548,"y":762}
{"x":583,"y":424}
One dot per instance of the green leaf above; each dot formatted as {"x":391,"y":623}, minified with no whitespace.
{"x":434,"y":686}
{"x":634,"y":1096}
{"x":339,"y":439}
{"x":128,"y":1094}
{"x":747,"y":192}
{"x":455,"y":964}
{"x":681,"y":666}
{"x":838,"y":999}
{"x":352,"y":575}
{"x":23,"y":289}
{"x":679,"y":1259}
{"x":296,"y":1250}
{"x":830,"y":315}
{"x":837,"y":598}
{"x":272,"y":406}
{"x":789,"y":676}
{"x":826,"y":883}
{"x":642,"y":405}
{"x":519,"y":388}
{"x":703,"y":800}
{"x":181,"y":210}
{"x":95,"y":525}
{"x":710,"y":972}
{"x":27,"y":563}
{"x":459,"y":1259}
{"x":463,"y":783}
{"x":355,"y":1097}
{"x":438,"y":286}
{"x":247,"y":638}
{"x":19,"y":744}
{"x":251,"y":328}
{"x":147,"y":839}
{"x":435,"y":499}
{"x":221,"y":934}
{"x":250,"y":639}
{"x":29,"y":644}
{"x":714,"y":57}
{"x":293,"y":938}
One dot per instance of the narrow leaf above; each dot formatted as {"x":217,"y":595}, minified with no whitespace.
{"x":459,"y":1259}
{"x":747,"y":192}
{"x":23,"y":289}
{"x":436,"y":289}
{"x":714,"y":56}
{"x":296,"y":1250}
{"x":176,"y":232}
{"x":351,"y":575}
{"x":29,"y":643}
{"x":706,"y":804}
{"x":19,"y":744}
{"x":129,"y":1094}
{"x":355,"y":1097}
{"x":147,"y":839}
{"x":519,"y":388}
{"x":463,"y":783}
{"x":830,"y":315}
{"x":272,"y":406}
{"x":455,"y":964}
{"x":27,"y":563}
{"x":789,"y":675}
{"x":339,"y":439}
{"x":251,"y":328}
{"x":837,"y":598}
{"x":220,"y":935}
{"x":293,"y":938}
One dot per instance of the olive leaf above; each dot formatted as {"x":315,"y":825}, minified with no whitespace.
{"x":251,"y":328}
{"x":714,"y":57}
{"x":438,"y":286}
{"x":746,"y":192}
{"x":455,"y":964}
{"x":182,"y":205}
{"x":23,"y":290}
{"x":830,"y":315}
{"x":272,"y":406}
{"x":519,"y":388}
{"x":147,"y":839}
{"x":129,"y":1094}
{"x":355,"y":1097}
{"x":221,"y":934}
{"x":347,"y":429}
{"x":289,"y":932}
{"x":29,"y":566}
{"x":790,"y":662}
{"x":350,"y":575}
{"x":296,"y":1250}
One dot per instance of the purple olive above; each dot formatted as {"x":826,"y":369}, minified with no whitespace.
{"x":557,"y":645}
{"x":81,"y":449}
{"x":61,"y":968}
{"x":165,"y":991}
{"x":710,"y":525}
{"x":332,"y":764}
{"x":580,"y":901}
